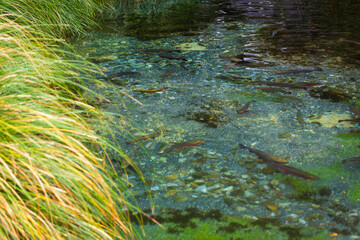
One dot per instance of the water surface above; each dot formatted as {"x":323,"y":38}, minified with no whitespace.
{"x":228,"y":53}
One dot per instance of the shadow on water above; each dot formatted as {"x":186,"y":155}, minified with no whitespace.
{"x":292,"y":26}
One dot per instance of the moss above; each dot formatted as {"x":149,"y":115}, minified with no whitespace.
{"x":216,"y":227}
{"x":303,"y":189}
{"x":354,"y":191}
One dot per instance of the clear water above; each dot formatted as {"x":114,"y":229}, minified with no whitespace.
{"x":233,"y":51}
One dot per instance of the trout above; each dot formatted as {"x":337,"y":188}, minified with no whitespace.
{"x":266,"y":157}
{"x":150,"y":90}
{"x":119,"y":74}
{"x":144,"y":137}
{"x":244,"y":109}
{"x":353,"y":159}
{"x":190,"y":143}
{"x":172,"y":57}
{"x":160,"y":50}
{"x":295,"y":172}
{"x":299,"y":71}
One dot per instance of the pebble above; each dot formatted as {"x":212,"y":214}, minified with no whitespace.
{"x":284,"y":135}
{"x":170,"y":185}
{"x":202,"y":188}
{"x":180,"y":198}
{"x":272,"y":207}
{"x":274,"y":182}
{"x":293,"y":218}
{"x":171,"y":192}
{"x":241,"y":209}
{"x":171,"y":177}
{"x":155,"y":188}
{"x":248,"y":194}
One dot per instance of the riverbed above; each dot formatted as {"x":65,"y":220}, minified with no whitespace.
{"x":187,"y":82}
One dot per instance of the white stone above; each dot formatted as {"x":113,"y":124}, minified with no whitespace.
{"x":202,"y":188}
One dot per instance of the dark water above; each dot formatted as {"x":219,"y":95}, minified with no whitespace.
{"x":294,"y":26}
{"x":198,"y":98}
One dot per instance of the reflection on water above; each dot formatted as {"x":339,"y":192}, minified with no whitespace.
{"x":218,"y":86}
{"x":294,"y":26}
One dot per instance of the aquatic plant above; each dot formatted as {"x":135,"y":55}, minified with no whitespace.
{"x":194,"y":224}
{"x":54,"y":181}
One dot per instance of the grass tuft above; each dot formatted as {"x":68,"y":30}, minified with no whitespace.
{"x":54,"y":182}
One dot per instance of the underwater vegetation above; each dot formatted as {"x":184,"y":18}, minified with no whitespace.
{"x":191,"y":223}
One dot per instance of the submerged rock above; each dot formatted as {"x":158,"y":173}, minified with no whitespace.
{"x":192,"y":46}
{"x":331,"y":93}
{"x":207,"y":112}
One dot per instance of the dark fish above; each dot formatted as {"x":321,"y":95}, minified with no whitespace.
{"x":353,"y":159}
{"x":295,"y":172}
{"x":354,"y":120}
{"x":144,"y":137}
{"x":232,"y":59}
{"x":160,"y":50}
{"x":289,"y":85}
{"x":266,"y":157}
{"x":308,"y":84}
{"x":355,"y":131}
{"x":119,"y":74}
{"x":191,"y":143}
{"x":299,"y":71}
{"x":172,"y":57}
{"x":299,"y":116}
{"x":167,"y":73}
{"x":354,"y":109}
{"x":273,"y":89}
{"x":245,"y":107}
{"x":290,"y":97}
{"x":182,"y":65}
{"x":348,"y":41}
{"x":150,"y":90}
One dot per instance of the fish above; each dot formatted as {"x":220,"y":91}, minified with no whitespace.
{"x":355,"y":131}
{"x":353,"y":120}
{"x":353,"y":159}
{"x":289,"y":85}
{"x":266,"y":157}
{"x":354,"y":109}
{"x":167,"y":73}
{"x":172,"y":57}
{"x":299,"y":71}
{"x":245,"y":107}
{"x":309,"y":84}
{"x":290,"y":97}
{"x":232,"y":59}
{"x":182,"y":65}
{"x":160,"y":50}
{"x":144,"y":137}
{"x":299,"y":116}
{"x":273,"y":89}
{"x":348,"y":41}
{"x":119,"y":74}
{"x":190,"y":143}
{"x":150,"y":90}
{"x":295,"y":172}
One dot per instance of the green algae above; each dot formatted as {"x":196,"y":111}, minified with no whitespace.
{"x":195,"y":225}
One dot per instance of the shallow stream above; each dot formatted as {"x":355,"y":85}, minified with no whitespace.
{"x":178,"y":75}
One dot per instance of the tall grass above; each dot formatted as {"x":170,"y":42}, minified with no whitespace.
{"x":58,"y":18}
{"x":53,"y":184}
